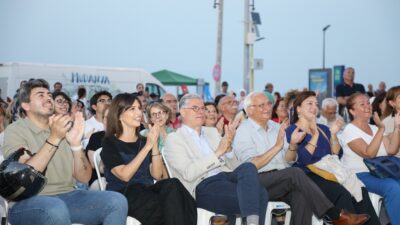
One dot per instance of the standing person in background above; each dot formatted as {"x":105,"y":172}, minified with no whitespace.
{"x":269,"y":87}
{"x":98,"y":104}
{"x":171,"y":101}
{"x":57,"y":86}
{"x":242,"y":96}
{"x":140,"y":88}
{"x":370,"y":91}
{"x":224,"y":88}
{"x":132,"y":163}
{"x":381,"y":89}
{"x":347,"y":88}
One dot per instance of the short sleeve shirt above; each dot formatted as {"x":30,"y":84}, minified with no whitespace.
{"x":24,"y":133}
{"x":343,"y":90}
{"x":352,"y":160}
{"x":115,"y":153}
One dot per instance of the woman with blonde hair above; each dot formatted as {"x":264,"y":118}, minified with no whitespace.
{"x":361,"y":140}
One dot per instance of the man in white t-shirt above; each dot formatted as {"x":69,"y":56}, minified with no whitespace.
{"x":97,"y":106}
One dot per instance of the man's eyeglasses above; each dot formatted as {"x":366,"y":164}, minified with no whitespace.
{"x":104,"y":100}
{"x":262,"y":106}
{"x":158,"y":114}
{"x":197,"y":108}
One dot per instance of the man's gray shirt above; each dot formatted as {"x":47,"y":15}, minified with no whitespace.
{"x":252,"y":140}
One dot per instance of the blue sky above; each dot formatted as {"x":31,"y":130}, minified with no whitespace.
{"x":181,"y":36}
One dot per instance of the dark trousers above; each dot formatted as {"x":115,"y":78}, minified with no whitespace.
{"x":342,"y":198}
{"x":292,"y":186}
{"x":167,"y":202}
{"x":233,"y":193}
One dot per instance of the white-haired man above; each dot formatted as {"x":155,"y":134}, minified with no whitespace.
{"x":261,"y":141}
{"x":329,"y":112}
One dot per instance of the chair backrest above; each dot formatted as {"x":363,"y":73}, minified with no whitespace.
{"x":167,"y":166}
{"x":97,"y":160}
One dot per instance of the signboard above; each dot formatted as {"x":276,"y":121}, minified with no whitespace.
{"x":217,"y":72}
{"x":320,"y":81}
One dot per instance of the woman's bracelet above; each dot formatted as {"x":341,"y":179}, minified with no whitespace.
{"x":292,"y":149}
{"x":53,"y":145}
{"x":334,"y":142}
{"x":77,"y":148}
{"x":315,"y":146}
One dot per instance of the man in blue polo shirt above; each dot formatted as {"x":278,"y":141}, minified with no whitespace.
{"x":347,"y":88}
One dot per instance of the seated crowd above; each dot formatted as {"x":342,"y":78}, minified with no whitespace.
{"x":163,"y":158}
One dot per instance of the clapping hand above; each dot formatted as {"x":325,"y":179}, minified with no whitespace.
{"x":297,"y":136}
{"x":76,"y":129}
{"x":152,"y":136}
{"x":378,"y":121}
{"x":337,"y":126}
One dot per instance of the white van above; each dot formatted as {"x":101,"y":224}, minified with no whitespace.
{"x":114,"y":80}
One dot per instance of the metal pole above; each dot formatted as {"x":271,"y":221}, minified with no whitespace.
{"x":246,"y":56}
{"x":219,"y":44}
{"x":323,"y":50}
{"x":323,"y":45}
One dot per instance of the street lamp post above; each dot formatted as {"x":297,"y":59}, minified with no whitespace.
{"x":323,"y":45}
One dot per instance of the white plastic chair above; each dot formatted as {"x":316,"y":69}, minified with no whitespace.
{"x":97,"y":159}
{"x":277,"y":205}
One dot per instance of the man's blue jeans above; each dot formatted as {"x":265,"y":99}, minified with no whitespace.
{"x":236,"y":193}
{"x":389,"y":189}
{"x":79,"y":206}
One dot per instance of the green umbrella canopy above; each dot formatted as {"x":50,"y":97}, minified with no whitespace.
{"x":167,"y":77}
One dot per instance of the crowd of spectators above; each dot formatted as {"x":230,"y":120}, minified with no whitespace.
{"x":230,"y":156}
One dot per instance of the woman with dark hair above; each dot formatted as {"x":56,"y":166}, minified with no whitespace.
{"x":211,"y":117}
{"x":62,"y":103}
{"x":318,"y":142}
{"x":279,"y":111}
{"x":392,"y":108}
{"x":361,"y":140}
{"x":378,"y":105}
{"x":131,"y":162}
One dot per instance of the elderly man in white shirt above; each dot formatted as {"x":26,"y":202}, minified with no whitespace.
{"x":329,"y":112}
{"x":261,"y":141}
